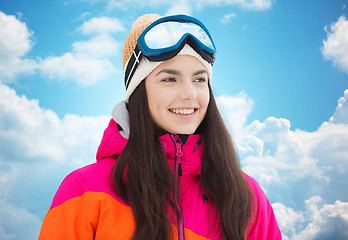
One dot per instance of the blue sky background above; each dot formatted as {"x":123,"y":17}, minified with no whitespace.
{"x":281,"y":80}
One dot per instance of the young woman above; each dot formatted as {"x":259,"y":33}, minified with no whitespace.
{"x":166,"y":167}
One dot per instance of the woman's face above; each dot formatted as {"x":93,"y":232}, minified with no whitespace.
{"x":178,"y":94}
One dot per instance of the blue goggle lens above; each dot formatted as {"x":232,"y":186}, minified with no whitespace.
{"x":168,"y":34}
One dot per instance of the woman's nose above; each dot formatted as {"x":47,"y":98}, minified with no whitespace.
{"x":188,"y":90}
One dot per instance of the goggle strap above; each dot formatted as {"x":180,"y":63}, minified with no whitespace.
{"x":134,"y":62}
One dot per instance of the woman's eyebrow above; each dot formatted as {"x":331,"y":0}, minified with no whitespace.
{"x":176,"y":72}
{"x":169,"y":71}
{"x":200,"y":72}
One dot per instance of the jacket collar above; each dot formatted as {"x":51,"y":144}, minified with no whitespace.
{"x":116,"y":136}
{"x":113,"y":142}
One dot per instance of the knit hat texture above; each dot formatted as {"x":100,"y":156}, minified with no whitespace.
{"x":131,"y":41}
{"x":145,"y":66}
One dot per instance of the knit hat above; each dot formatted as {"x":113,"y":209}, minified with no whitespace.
{"x":145,"y":66}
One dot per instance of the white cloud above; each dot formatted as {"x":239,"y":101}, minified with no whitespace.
{"x":39,"y":133}
{"x":15,"y":37}
{"x":318,"y":221}
{"x":74,"y":67}
{"x":5,"y":236}
{"x":12,"y":217}
{"x":341,"y":113}
{"x":227,"y":18}
{"x":335,"y":47}
{"x":97,"y":47}
{"x":102,"y":25}
{"x":280,"y":158}
{"x":15,"y":42}
{"x":235,"y":110}
{"x":27,"y":127}
{"x":258,"y":5}
{"x":277,"y":154}
{"x":288,"y":219}
{"x":180,"y":7}
{"x":87,"y":63}
{"x":37,"y":150}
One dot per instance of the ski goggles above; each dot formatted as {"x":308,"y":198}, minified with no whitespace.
{"x":164,"y":38}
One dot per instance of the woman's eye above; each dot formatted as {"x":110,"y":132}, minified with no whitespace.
{"x":168,"y":80}
{"x":202,"y":79}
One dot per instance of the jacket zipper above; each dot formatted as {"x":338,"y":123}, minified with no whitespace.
{"x":178,"y":166}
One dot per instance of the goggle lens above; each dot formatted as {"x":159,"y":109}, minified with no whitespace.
{"x":167,"y":34}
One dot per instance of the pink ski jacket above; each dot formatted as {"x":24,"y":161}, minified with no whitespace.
{"x":85,"y":206}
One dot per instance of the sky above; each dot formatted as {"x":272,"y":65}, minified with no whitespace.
{"x":280,"y":79}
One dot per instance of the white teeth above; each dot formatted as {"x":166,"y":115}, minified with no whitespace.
{"x":182,"y":111}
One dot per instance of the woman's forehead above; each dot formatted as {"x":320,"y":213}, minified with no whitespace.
{"x":181,"y":63}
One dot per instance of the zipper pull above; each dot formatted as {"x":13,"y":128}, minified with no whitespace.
{"x":179,"y":169}
{"x":178,"y":149}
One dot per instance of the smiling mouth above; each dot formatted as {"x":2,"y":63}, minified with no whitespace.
{"x":183,"y":111}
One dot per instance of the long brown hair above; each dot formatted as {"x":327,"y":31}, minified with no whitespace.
{"x":144,"y":180}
